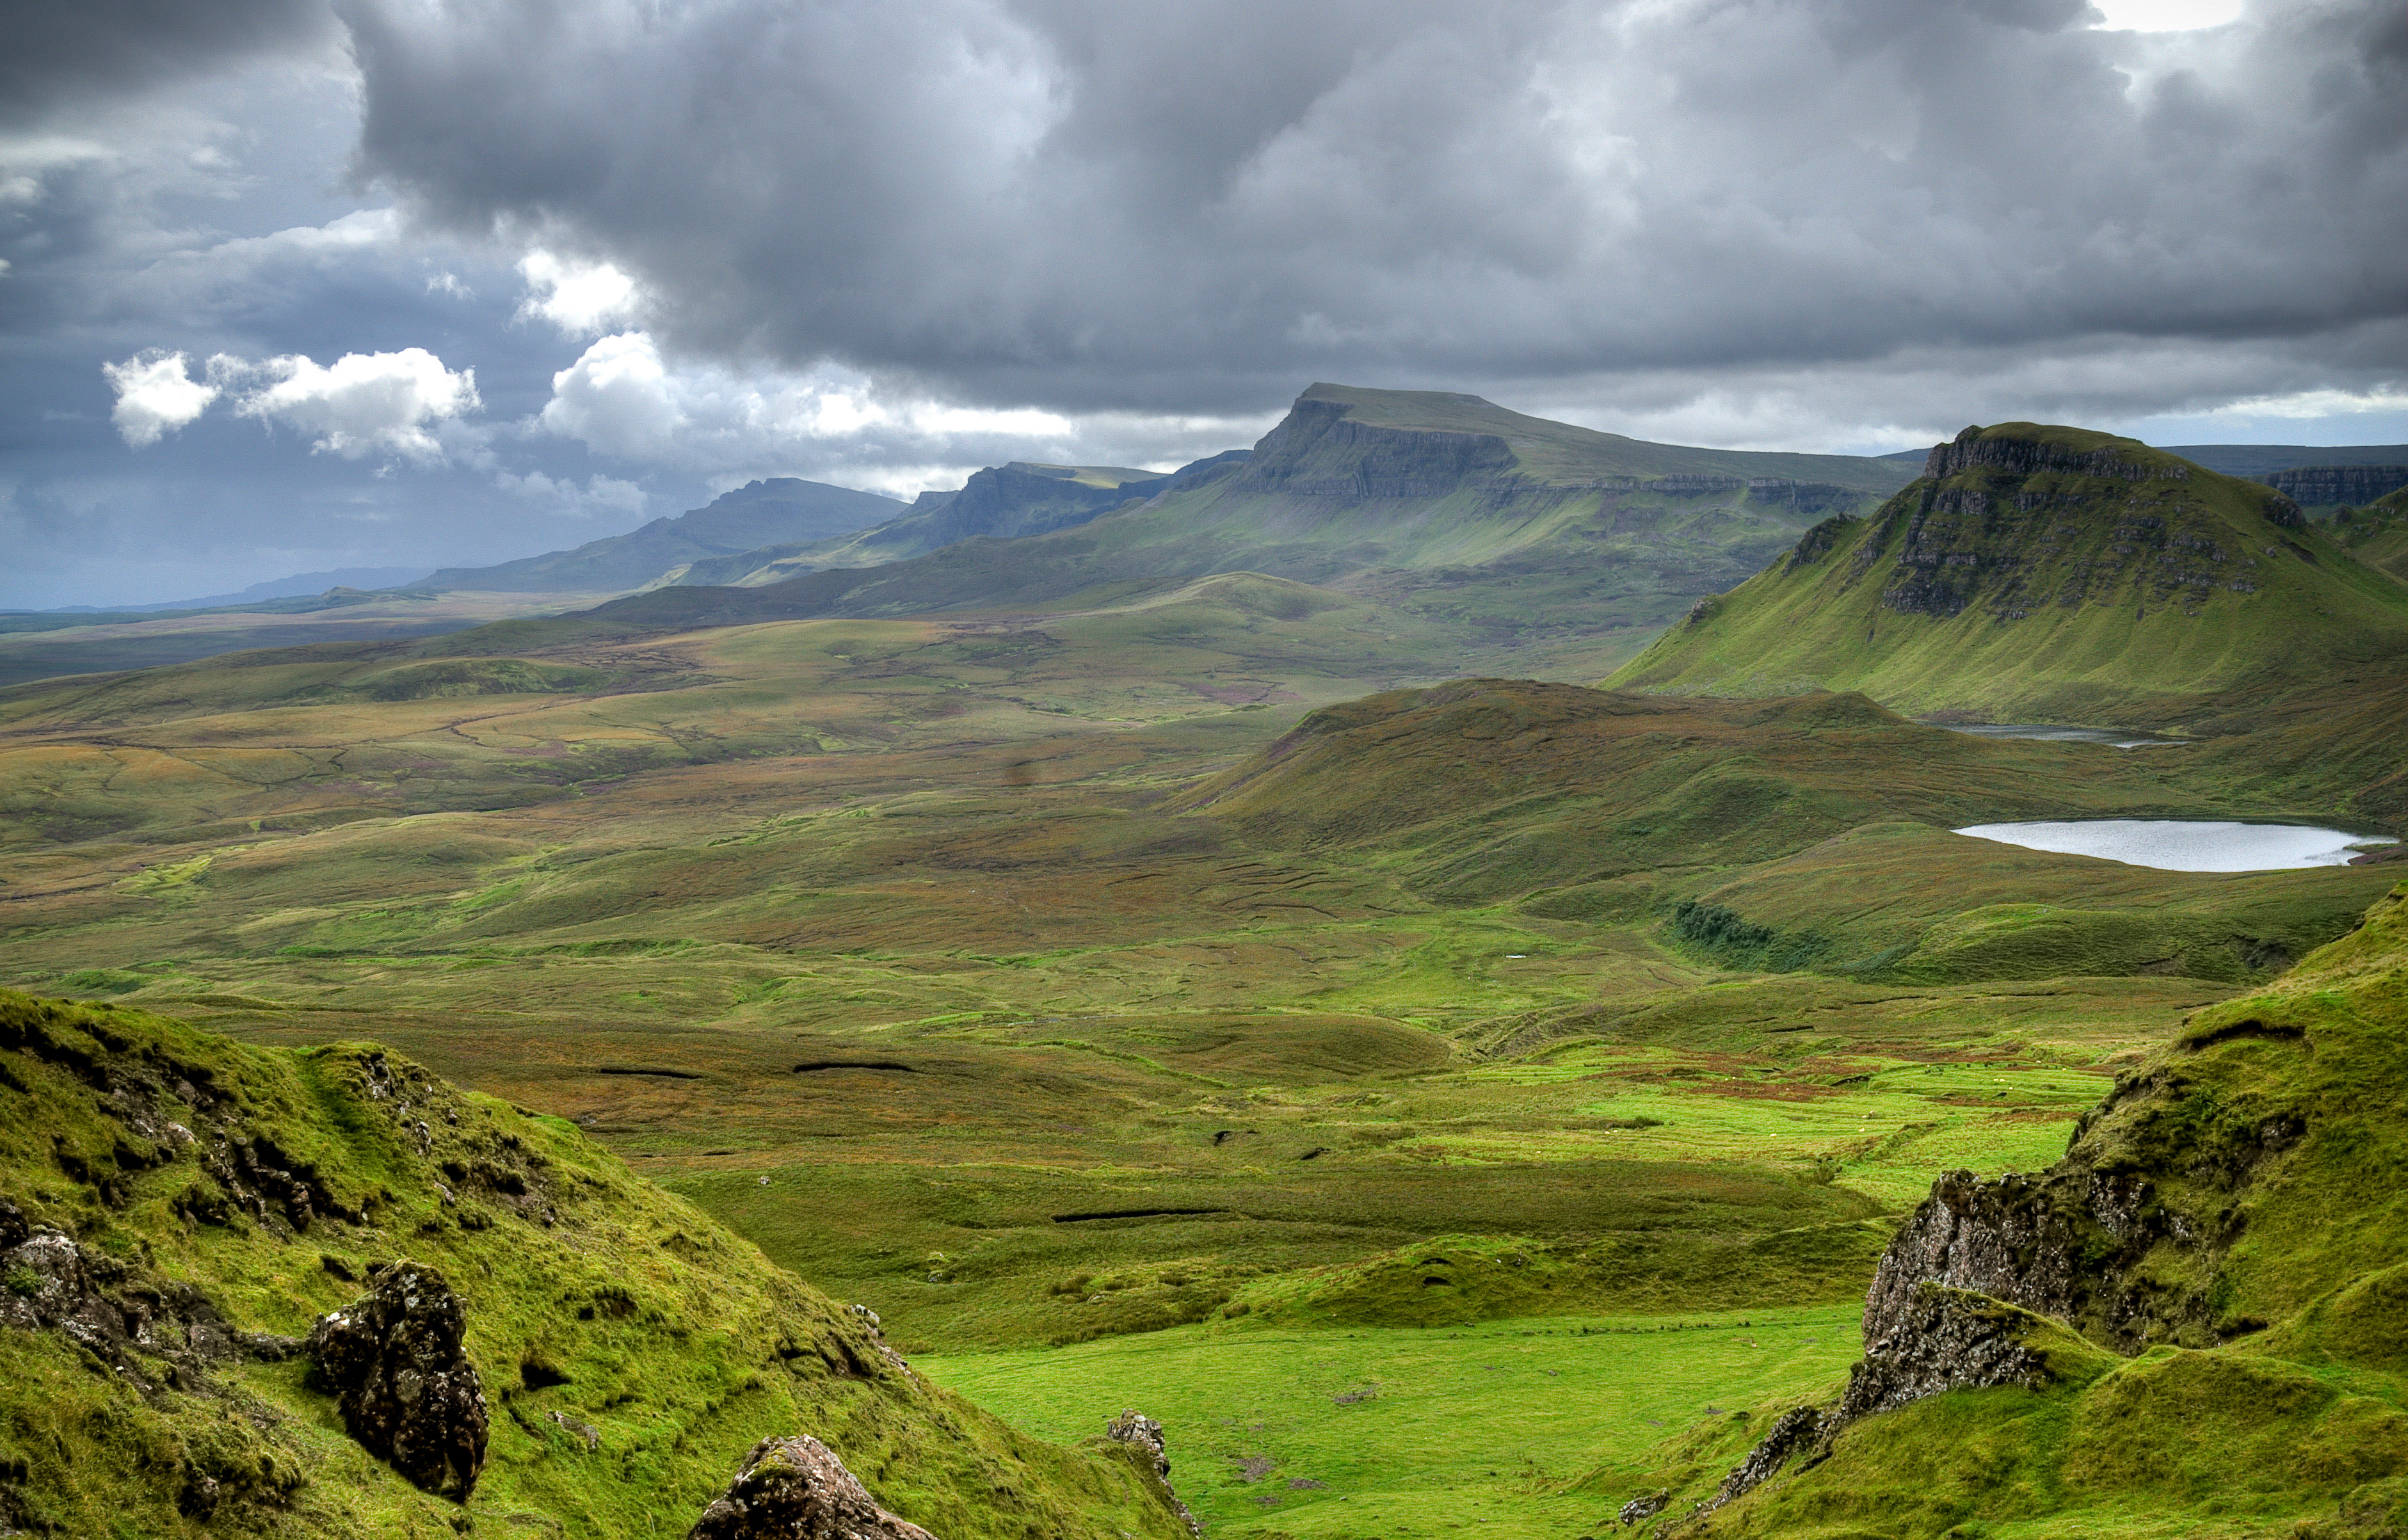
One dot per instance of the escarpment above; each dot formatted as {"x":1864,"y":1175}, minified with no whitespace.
{"x":2233,"y":1190}
{"x":2014,"y":525}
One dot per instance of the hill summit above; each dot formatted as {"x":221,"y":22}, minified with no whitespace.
{"x":2044,"y":573}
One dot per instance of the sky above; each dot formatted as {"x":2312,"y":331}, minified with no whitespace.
{"x":289,"y":285}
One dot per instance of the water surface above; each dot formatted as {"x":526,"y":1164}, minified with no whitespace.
{"x":2171,"y":845}
{"x":2113,"y":737}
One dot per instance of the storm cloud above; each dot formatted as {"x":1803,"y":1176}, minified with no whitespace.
{"x":299,"y":284}
{"x":1193,"y":205}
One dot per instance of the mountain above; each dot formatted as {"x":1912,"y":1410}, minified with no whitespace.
{"x":2197,"y":1315}
{"x":1003,"y":502}
{"x":2042,"y":574}
{"x":2255,"y":460}
{"x":299,"y":585}
{"x":753,"y":515}
{"x":1511,"y":527}
{"x":590,"y":1353}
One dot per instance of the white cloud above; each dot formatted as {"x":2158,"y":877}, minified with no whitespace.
{"x":2164,"y":15}
{"x":581,"y":298}
{"x":365,"y":402}
{"x":155,"y":395}
{"x":624,"y":400}
{"x":600,"y":495}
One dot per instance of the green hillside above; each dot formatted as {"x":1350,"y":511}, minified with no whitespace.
{"x":2044,"y":574}
{"x":2225,"y":1236}
{"x":2377,"y":534}
{"x":205,"y":1202}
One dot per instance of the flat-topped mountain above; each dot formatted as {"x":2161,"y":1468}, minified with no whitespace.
{"x":2042,"y":574}
{"x":1509,"y":524}
{"x":757,"y":514}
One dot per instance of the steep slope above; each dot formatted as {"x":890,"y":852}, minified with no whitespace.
{"x":2228,"y":1225}
{"x":2323,"y":486}
{"x":2044,"y":574}
{"x":2253,"y":461}
{"x":1507,"y":525}
{"x":757,"y":514}
{"x":174,"y":1210}
{"x":2377,"y":534}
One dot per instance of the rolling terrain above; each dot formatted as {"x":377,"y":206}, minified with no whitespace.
{"x":1442,"y":1100}
{"x":2050,"y":575}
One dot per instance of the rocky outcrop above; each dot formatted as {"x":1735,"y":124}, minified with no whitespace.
{"x":146,"y":1330}
{"x":796,"y":1489}
{"x":1011,"y":501}
{"x":1644,"y":1506}
{"x":1818,"y":542}
{"x":1141,"y":1436}
{"x":1971,"y":451}
{"x":2322,"y":486}
{"x":1943,"y":1339}
{"x":397,"y":1364}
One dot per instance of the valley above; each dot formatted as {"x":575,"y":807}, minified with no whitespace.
{"x":1290,"y":998}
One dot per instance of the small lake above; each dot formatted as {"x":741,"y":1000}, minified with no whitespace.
{"x":2184,"y":844}
{"x":2112,"y":737}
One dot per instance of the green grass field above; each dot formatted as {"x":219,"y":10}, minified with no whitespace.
{"x":1539,"y":1428}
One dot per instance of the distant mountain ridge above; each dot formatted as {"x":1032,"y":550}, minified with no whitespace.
{"x":1001,"y":502}
{"x":757,"y":514}
{"x":1510,"y":524}
{"x":2042,"y":574}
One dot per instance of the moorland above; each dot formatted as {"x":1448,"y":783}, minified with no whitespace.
{"x":1219,"y":952}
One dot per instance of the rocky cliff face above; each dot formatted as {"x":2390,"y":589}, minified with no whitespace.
{"x":2323,"y":486}
{"x":2016,"y":525}
{"x":2014,"y":454}
{"x":2237,"y":1183}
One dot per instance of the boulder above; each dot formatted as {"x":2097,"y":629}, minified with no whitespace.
{"x":395,"y":1363}
{"x":796,"y":1489}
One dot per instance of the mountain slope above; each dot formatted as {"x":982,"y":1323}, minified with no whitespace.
{"x":757,"y":514}
{"x":1003,"y":502}
{"x":2226,"y":1225}
{"x":175,"y":1209}
{"x":2042,"y":575}
{"x":1507,"y":526}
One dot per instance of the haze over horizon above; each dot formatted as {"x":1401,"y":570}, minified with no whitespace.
{"x":297,"y":286}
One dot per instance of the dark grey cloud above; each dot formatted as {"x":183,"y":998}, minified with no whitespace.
{"x":1195,"y":204}
{"x":71,"y":52}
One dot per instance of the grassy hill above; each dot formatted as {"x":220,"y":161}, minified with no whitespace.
{"x":631,"y":1349}
{"x":2044,"y":574}
{"x":2377,"y":534}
